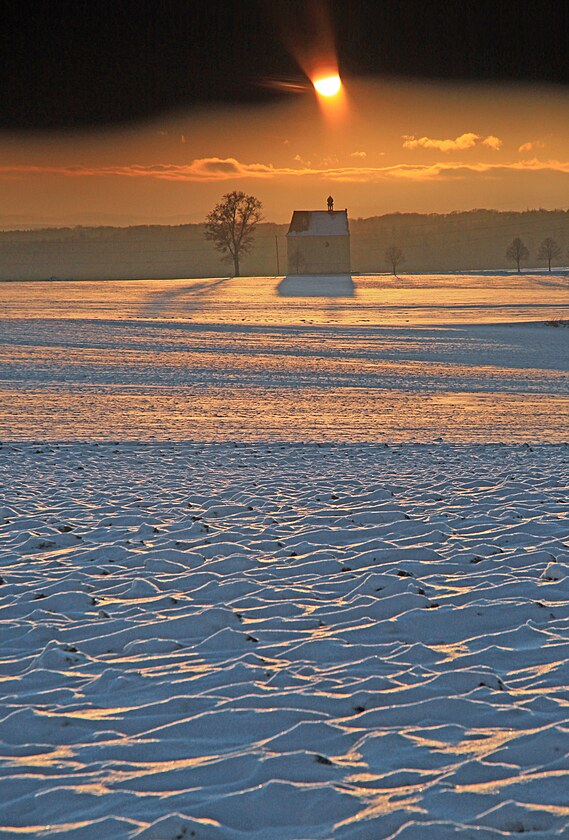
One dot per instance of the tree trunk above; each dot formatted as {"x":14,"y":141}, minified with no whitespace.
{"x":518,"y":262}
{"x":549,"y":264}
{"x":236,"y":263}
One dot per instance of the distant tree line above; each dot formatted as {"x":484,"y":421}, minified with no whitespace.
{"x":474,"y":240}
{"x":548,"y":251}
{"x":517,"y":252}
{"x":459,"y":241}
{"x":232,"y":223}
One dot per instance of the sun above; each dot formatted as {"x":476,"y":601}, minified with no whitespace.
{"x":328,"y":85}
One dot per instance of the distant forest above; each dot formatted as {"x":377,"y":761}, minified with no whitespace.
{"x":461,"y":241}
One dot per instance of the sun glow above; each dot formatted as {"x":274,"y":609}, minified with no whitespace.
{"x":328,"y":86}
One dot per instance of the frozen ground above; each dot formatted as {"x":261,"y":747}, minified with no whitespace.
{"x":210,"y":628}
{"x":290,"y":641}
{"x":412,"y":358}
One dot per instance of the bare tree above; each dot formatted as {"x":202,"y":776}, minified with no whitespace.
{"x":517,"y":251}
{"x":394,"y":256}
{"x":549,"y":250}
{"x":231,"y":225}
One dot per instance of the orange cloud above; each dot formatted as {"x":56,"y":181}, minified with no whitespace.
{"x":230,"y":169}
{"x":531,"y":145}
{"x":464,"y":141}
{"x":201,"y":169}
{"x":492,"y":142}
{"x":459,"y":144}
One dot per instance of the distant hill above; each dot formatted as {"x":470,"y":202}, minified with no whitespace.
{"x":460,"y":241}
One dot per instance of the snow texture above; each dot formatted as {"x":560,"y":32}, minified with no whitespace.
{"x":412,"y":358}
{"x":284,"y":641}
{"x":284,"y":568}
{"x":319,"y":223}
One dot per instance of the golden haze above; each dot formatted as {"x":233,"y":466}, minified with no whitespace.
{"x":390,"y":147}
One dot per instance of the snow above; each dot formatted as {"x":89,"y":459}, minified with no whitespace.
{"x":409,"y":358}
{"x":317,"y":285}
{"x":319,"y":223}
{"x":341,"y":609}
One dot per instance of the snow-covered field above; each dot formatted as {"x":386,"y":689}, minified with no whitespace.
{"x":211,"y":628}
{"x":415,"y":358}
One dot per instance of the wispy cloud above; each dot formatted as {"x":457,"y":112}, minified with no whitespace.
{"x":531,"y":145}
{"x":303,"y":162}
{"x":358,"y":155}
{"x":201,"y":169}
{"x":229,"y":169}
{"x":459,"y":144}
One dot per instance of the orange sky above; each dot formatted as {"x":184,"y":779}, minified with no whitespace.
{"x":394,"y":147}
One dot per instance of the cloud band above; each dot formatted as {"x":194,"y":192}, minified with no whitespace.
{"x":229,"y":169}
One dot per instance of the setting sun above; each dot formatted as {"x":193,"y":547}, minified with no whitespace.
{"x":328,"y":86}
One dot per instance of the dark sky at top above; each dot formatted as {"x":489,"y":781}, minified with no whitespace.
{"x":91,"y":63}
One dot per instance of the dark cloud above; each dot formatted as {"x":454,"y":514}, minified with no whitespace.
{"x":224,"y":166}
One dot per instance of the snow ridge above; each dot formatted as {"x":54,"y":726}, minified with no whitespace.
{"x":284,"y":641}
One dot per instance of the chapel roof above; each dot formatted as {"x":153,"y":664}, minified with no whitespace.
{"x":319,"y":223}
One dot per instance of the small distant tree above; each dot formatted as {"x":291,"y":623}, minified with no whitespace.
{"x":549,"y":250}
{"x":231,"y":225}
{"x":517,"y":252}
{"x":394,"y":256}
